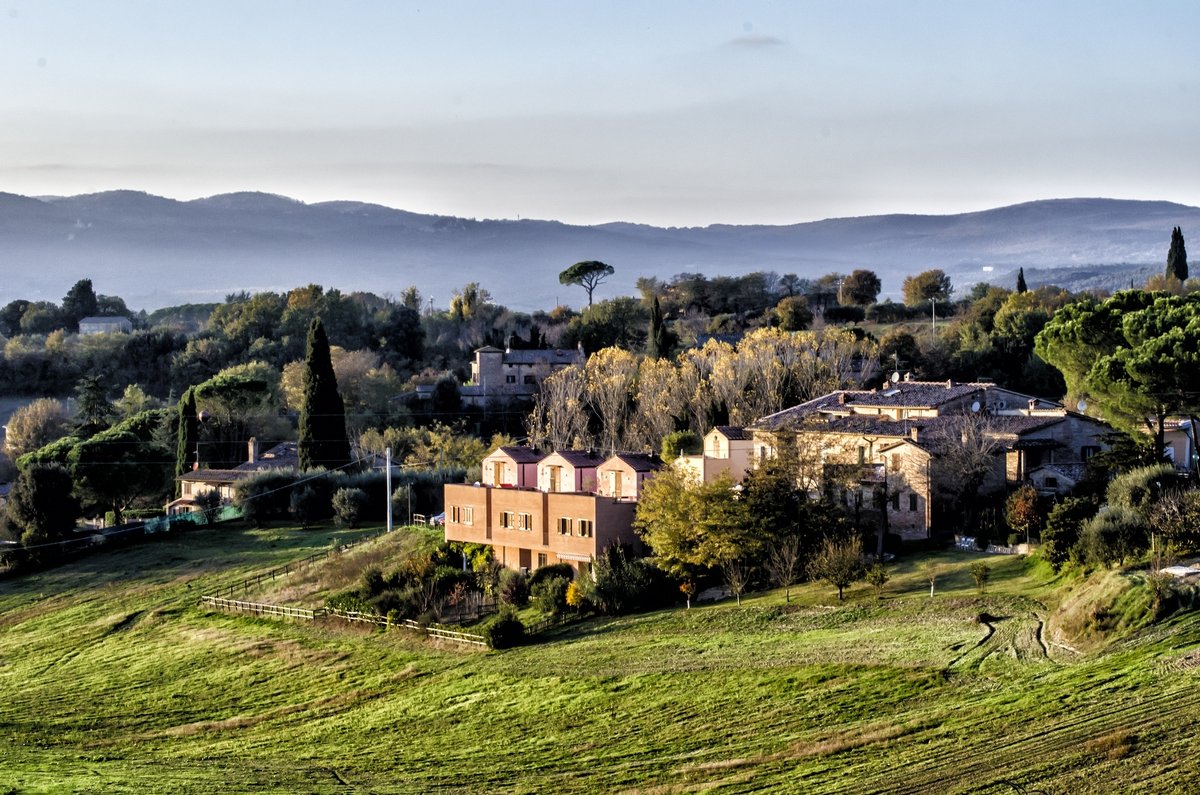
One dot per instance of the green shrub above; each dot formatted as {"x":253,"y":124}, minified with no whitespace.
{"x":680,"y":442}
{"x":1138,"y":488}
{"x":1113,"y":535}
{"x":514,"y":588}
{"x":562,"y":571}
{"x":1061,"y":533}
{"x":504,"y":630}
{"x":307,"y":505}
{"x":622,"y":583}
{"x":349,"y":505}
{"x":550,"y":595}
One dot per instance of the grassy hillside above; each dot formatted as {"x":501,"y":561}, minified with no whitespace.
{"x":113,"y":680}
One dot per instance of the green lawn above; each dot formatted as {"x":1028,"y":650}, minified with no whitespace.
{"x":115,"y":681}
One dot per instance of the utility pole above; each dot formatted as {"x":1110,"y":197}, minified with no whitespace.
{"x":388,"y":480}
{"x":933,"y":306}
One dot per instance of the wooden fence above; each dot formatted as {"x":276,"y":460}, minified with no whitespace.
{"x":246,"y":583}
{"x":433,"y":630}
{"x":258,"y":609}
{"x":283,"y":611}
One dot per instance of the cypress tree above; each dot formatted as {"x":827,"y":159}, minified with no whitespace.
{"x":658,"y":344}
{"x":1177,"y":256}
{"x":189,"y":433}
{"x":1021,"y":288}
{"x":323,"y":441}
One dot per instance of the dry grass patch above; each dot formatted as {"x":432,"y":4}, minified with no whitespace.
{"x":1115,"y":745}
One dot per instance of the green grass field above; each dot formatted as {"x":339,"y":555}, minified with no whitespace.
{"x":113,"y":680}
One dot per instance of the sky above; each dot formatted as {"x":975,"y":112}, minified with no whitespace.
{"x":669,"y":113}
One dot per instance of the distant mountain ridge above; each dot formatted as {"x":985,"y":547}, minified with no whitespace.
{"x":155,"y":251}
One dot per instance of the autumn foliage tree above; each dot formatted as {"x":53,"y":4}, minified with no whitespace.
{"x":1022,"y":511}
{"x":930,"y":285}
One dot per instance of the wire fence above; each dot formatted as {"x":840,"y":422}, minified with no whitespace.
{"x":264,"y":610}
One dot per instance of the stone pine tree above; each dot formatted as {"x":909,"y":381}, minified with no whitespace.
{"x":588,"y":275}
{"x":323,"y":441}
{"x":189,"y":434}
{"x":1177,"y":256}
{"x":1021,"y":286}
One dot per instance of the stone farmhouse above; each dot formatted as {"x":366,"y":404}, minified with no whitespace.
{"x":224,"y":481}
{"x":894,"y":444}
{"x":499,"y":376}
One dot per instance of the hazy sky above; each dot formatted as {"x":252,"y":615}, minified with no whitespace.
{"x":671,"y":113}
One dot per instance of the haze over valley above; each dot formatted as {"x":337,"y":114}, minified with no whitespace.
{"x":156,"y":252}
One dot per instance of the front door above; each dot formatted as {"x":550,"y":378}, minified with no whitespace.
{"x":525,"y":558}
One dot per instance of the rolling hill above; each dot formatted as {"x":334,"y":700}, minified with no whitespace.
{"x":156,"y":252}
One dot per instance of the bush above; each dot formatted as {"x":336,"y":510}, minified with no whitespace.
{"x":1139,"y":488}
{"x":1113,"y":535}
{"x":1061,"y":533}
{"x":887,"y":312}
{"x":504,"y":631}
{"x":844,"y":314}
{"x":307,"y":505}
{"x":622,"y":583}
{"x":680,"y":442}
{"x":550,"y":595}
{"x":266,"y":496}
{"x":980,"y":573}
{"x":349,"y":505}
{"x":562,"y":571}
{"x":514,"y":588}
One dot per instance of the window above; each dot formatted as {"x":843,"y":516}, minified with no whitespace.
{"x":530,"y":380}
{"x":506,"y":519}
{"x":524,"y":521}
{"x":896,"y":501}
{"x":912,"y":502}
{"x":462,"y":514}
{"x":1051,"y":483}
{"x":510,"y":379}
{"x":586,"y":528}
{"x":565,"y":525}
{"x":1087,"y":451}
{"x":542,"y":559}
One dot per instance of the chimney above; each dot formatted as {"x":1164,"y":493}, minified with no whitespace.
{"x":252,"y":451}
{"x":950,"y":384}
{"x":908,"y":376}
{"x":841,"y":398}
{"x":914,"y":433}
{"x":1032,"y":404}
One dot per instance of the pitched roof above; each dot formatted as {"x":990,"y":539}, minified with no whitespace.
{"x":733,"y":433}
{"x":282,"y":456}
{"x":542,"y":356}
{"x":217,"y":475}
{"x":520,"y":454}
{"x":579,"y":458}
{"x":639,"y":462}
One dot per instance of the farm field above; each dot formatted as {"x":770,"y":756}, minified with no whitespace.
{"x":115,"y":680}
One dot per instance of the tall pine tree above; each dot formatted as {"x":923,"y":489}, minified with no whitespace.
{"x":189,"y":434}
{"x":1021,"y":287}
{"x":323,"y":441}
{"x":1177,"y":256}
